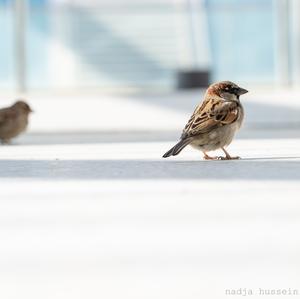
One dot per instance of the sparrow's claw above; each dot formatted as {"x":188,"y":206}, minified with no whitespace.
{"x":235,"y":158}
{"x":229,"y":158}
{"x":206,"y":157}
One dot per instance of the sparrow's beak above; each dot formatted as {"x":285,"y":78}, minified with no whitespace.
{"x":31,"y":111}
{"x":241,"y":91}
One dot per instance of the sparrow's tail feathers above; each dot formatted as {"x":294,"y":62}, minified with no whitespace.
{"x":176,"y":149}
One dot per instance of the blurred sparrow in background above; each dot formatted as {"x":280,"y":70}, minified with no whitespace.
{"x":214,"y":122}
{"x":13,"y":121}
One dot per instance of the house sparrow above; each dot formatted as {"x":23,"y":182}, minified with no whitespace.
{"x":13,"y":120}
{"x":214,"y":122}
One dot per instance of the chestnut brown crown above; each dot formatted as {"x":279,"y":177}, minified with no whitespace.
{"x":226,"y":87}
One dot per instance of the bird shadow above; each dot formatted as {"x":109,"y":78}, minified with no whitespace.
{"x":242,"y":159}
{"x":254,"y":169}
{"x":270,"y":158}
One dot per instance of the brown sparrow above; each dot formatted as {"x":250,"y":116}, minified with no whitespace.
{"x":214,"y":122}
{"x":13,"y":120}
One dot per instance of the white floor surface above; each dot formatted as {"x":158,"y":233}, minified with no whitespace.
{"x":114,"y":220}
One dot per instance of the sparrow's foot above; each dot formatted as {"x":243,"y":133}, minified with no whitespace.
{"x":211,"y":158}
{"x":207,"y":157}
{"x":229,"y":158}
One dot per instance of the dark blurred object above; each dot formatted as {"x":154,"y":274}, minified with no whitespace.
{"x":192,"y":79}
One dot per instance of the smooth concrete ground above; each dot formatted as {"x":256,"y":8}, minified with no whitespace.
{"x":114,"y":220}
{"x":89,"y":209}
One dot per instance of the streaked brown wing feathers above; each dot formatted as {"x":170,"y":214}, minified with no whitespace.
{"x":211,"y":114}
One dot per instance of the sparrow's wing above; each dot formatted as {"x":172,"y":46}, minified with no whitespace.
{"x":6,"y":114}
{"x":213,"y":113}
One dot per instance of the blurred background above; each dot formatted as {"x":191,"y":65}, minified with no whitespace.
{"x":77,"y":45}
{"x":147,"y":58}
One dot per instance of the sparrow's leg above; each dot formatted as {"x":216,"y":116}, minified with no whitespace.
{"x":5,"y":142}
{"x":228,"y":157}
{"x":207,"y":157}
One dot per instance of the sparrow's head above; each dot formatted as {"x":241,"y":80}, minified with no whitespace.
{"x":22,"y":107}
{"x":226,"y":90}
